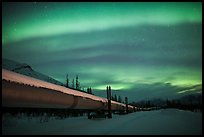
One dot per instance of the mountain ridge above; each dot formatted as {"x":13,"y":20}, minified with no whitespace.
{"x":25,"y":69}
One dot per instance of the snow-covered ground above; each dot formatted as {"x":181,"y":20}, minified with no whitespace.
{"x":158,"y":122}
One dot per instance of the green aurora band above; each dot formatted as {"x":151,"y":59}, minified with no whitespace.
{"x":118,"y":44}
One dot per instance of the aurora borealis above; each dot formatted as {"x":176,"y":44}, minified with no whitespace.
{"x":143,"y":50}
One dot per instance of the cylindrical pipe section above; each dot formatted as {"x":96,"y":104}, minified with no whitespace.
{"x":19,"y":95}
{"x":15,"y":93}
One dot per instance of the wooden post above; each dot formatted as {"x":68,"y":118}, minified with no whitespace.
{"x":109,"y":101}
{"x":126,"y":102}
{"x":134,"y":109}
{"x":89,"y":116}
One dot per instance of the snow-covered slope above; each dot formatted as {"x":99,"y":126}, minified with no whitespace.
{"x":159,"y":122}
{"x":27,"y":70}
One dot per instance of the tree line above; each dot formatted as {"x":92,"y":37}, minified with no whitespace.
{"x":189,"y":102}
{"x":75,"y":84}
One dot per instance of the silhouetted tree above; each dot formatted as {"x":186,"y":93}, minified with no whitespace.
{"x":90,"y":91}
{"x":119,"y":99}
{"x":72,"y":83}
{"x":148,"y":103}
{"x":115,"y":98}
{"x":77,"y":84}
{"x":67,"y":81}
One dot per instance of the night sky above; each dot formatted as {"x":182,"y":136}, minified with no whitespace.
{"x":143,"y":50}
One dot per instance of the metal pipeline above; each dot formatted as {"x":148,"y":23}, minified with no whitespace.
{"x":23,"y":91}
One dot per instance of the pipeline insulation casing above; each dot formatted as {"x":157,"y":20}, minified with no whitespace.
{"x":23,"y":91}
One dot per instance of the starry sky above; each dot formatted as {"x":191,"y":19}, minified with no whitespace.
{"x":143,"y":50}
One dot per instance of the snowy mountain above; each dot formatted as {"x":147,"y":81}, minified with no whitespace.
{"x":27,"y":70}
